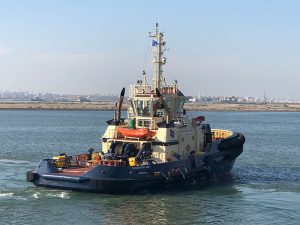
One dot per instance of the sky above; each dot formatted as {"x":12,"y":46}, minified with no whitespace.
{"x":228,"y":48}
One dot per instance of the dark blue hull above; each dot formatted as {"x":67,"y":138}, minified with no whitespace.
{"x":125,"y":179}
{"x":131,"y":179}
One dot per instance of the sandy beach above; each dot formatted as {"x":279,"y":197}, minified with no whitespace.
{"x":189,"y":106}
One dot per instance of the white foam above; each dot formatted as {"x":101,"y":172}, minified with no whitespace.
{"x":62,"y":195}
{"x":11,"y":161}
{"x":3,"y":195}
{"x":11,"y":195}
{"x":36,"y":195}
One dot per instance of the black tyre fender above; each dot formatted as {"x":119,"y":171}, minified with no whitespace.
{"x":31,"y":176}
{"x":237,"y":140}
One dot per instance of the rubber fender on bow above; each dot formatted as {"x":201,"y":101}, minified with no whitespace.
{"x":31,"y":176}
{"x":237,"y":140}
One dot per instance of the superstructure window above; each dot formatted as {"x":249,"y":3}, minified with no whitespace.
{"x":160,"y":112}
{"x":143,"y":108}
{"x":144,"y":123}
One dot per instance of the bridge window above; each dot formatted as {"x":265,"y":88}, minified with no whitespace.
{"x":143,"y":108}
{"x":144,"y":123}
{"x":160,"y":112}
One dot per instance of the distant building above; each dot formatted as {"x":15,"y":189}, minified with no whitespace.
{"x":25,"y":96}
{"x":84,"y":99}
{"x":192,"y":100}
{"x":37,"y":99}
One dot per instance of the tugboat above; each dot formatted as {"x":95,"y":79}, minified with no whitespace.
{"x":157,"y":146}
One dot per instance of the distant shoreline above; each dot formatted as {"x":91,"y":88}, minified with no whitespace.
{"x":108,"y":106}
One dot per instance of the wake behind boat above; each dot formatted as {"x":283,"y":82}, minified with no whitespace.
{"x":156,"y":146}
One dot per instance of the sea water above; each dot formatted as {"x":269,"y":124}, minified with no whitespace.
{"x":265,"y":188}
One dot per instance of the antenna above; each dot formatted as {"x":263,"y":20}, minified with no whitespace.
{"x":145,"y":80}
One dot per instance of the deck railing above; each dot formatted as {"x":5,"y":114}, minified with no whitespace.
{"x":139,"y":89}
{"x":221,"y":134}
{"x":142,"y":89}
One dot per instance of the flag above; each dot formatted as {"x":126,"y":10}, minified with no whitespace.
{"x":154,"y":43}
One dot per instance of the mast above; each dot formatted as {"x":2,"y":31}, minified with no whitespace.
{"x":145,"y":80}
{"x":158,"y":59}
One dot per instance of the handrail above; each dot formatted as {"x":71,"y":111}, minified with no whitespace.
{"x":220,"y":134}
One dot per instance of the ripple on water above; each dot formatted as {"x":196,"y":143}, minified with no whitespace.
{"x":62,"y":195}
{"x":31,"y":194}
{"x":269,"y":175}
{"x":264,"y":190}
{"x":7,"y":196}
{"x":13,"y":162}
{"x":4,"y":195}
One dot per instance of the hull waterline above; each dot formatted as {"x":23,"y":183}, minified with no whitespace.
{"x":126,"y":179}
